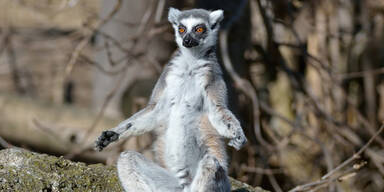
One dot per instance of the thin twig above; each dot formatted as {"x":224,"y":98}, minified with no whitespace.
{"x":327,"y":177}
{"x":99,"y":66}
{"x":49,"y":131}
{"x":314,"y":186}
{"x":99,"y":116}
{"x":335,"y":81}
{"x":77,"y":51}
{"x":360,"y":74}
{"x":355,"y":156}
{"x":159,"y":10}
{"x":4,"y":143}
{"x":274,"y":183}
{"x":263,"y":171}
{"x":244,"y":85}
{"x":15,"y":72}
{"x":145,"y":19}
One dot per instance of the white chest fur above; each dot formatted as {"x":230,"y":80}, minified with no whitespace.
{"x":185,"y":85}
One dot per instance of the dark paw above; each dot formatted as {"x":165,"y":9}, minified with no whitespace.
{"x":105,"y":139}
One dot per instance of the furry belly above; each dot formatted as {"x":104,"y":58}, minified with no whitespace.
{"x":183,"y":146}
{"x":182,"y":141}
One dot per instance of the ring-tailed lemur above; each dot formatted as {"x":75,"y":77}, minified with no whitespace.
{"x":188,"y":111}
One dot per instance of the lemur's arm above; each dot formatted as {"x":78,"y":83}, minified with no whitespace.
{"x":220,"y":117}
{"x":139,"y":123}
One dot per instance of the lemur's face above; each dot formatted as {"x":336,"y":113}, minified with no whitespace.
{"x":192,"y":31}
{"x":196,"y":28}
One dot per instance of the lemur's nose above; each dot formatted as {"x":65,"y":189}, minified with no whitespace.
{"x":189,"y":42}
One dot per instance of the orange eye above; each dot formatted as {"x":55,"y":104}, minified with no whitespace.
{"x":200,"y":30}
{"x":181,"y":30}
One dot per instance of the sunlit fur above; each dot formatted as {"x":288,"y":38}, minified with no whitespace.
{"x":188,"y":112}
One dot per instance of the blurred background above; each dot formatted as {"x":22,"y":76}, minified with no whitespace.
{"x":305,"y":77}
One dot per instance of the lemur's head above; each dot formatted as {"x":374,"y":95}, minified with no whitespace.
{"x":195,"y":28}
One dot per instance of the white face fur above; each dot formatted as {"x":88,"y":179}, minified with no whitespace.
{"x":187,"y":23}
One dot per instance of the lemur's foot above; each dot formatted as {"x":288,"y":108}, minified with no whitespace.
{"x":238,"y":141}
{"x":105,"y":139}
{"x":184,"y":178}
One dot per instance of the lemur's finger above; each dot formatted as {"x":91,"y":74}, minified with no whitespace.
{"x":242,"y":140}
{"x":105,"y":139}
{"x":105,"y":143}
{"x":234,"y":145}
{"x":98,"y":146}
{"x":111,"y":135}
{"x":238,"y":142}
{"x":114,"y":137}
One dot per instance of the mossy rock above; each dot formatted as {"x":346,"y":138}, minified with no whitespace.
{"x":22,"y":170}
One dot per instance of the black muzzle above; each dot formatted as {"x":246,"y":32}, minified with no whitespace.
{"x":189,"y":42}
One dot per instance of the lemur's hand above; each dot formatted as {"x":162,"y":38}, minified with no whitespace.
{"x":105,"y":139}
{"x":238,"y":139}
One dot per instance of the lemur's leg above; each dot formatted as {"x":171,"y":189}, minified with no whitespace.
{"x":136,"y":173}
{"x":220,"y":117}
{"x":210,"y":176}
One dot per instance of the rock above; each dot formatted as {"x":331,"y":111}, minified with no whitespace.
{"x":22,"y":170}
{"x":238,"y":186}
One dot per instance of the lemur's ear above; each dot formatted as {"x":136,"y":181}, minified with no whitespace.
{"x":173,"y":14}
{"x":215,"y":17}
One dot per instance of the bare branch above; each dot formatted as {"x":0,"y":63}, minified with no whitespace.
{"x":244,"y":85}
{"x":327,"y":178}
{"x":4,"y":143}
